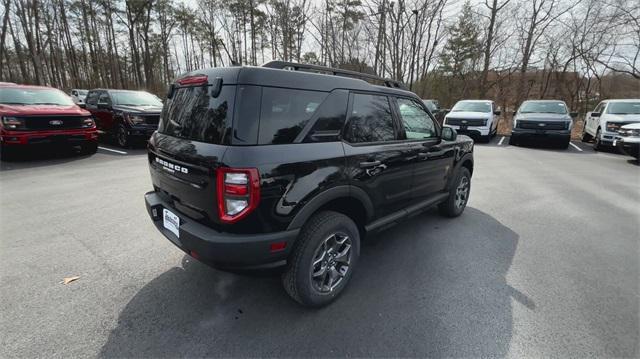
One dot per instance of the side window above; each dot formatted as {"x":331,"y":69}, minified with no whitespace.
{"x":92,"y":98}
{"x":104,"y":98}
{"x":417,"y":123}
{"x":600,"y":107}
{"x":370,"y":120}
{"x":329,"y":118}
{"x":285,"y":112}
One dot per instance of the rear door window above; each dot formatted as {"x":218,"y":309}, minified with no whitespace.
{"x":285,"y":112}
{"x":194,"y":115}
{"x":370,"y":119}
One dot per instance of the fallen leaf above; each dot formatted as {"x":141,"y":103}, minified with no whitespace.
{"x":68,"y":280}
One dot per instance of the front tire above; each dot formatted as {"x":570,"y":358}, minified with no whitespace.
{"x":122,"y":137}
{"x":513,"y":141}
{"x":458,"y":195}
{"x":323,"y":259}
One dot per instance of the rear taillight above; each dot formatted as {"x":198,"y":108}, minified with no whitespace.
{"x":238,"y":192}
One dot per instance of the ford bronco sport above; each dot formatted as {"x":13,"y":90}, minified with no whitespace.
{"x":290,"y":165}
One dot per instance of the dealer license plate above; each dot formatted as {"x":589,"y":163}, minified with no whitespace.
{"x":171,"y":222}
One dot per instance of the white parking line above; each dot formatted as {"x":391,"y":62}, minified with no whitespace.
{"x":501,"y":140}
{"x":112,"y":150}
{"x":575,"y":146}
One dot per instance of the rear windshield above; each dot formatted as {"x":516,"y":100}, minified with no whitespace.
{"x":194,"y":115}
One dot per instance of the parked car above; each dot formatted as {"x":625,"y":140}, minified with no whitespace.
{"x":125,"y":115}
{"x":628,"y":140}
{"x":78,"y":96}
{"x":603,"y":123}
{"x":542,"y":119}
{"x":436,"y":110}
{"x":260,"y":167}
{"x":37,"y":115}
{"x":476,"y":118}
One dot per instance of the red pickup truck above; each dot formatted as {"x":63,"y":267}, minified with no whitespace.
{"x":37,"y":115}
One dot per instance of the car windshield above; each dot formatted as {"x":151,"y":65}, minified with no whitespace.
{"x":468,"y":106}
{"x":544,"y":107}
{"x":34,"y":96}
{"x":82,"y":92}
{"x":135,"y":98}
{"x":624,"y":108}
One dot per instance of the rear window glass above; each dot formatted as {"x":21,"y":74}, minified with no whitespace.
{"x":193,"y":114}
{"x":285,"y":112}
{"x":370,"y":119}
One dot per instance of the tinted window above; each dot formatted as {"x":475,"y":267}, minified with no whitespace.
{"x":193,"y":114}
{"x":330,"y":118}
{"x":370,"y":119}
{"x":104,"y":98}
{"x":92,"y":98}
{"x":284,"y":113}
{"x":417,"y":123}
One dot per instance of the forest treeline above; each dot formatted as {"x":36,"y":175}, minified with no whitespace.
{"x":505,"y":50}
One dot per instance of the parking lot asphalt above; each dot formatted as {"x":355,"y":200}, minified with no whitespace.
{"x":544,"y":262}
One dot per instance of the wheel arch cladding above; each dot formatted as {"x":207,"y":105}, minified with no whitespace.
{"x":468,"y":164}
{"x":348,"y":200}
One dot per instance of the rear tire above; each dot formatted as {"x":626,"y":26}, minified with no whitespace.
{"x":597,"y":145}
{"x":323,"y":259}
{"x":586,"y":137}
{"x":455,"y":204}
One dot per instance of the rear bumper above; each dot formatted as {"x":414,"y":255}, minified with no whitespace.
{"x":219,"y":249}
{"x":550,"y":134}
{"x":62,"y":137}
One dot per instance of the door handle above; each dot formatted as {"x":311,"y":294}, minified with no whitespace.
{"x":435,"y":149}
{"x":370,"y":164}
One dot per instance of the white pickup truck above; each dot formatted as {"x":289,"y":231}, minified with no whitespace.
{"x":604,"y":122}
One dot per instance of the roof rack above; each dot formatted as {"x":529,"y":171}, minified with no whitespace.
{"x":333,"y":71}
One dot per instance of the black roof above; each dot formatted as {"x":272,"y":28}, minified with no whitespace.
{"x":303,"y":80}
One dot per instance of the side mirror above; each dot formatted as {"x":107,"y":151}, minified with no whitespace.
{"x":595,"y":114}
{"x":573,"y":114}
{"x":497,"y":113}
{"x":446,"y":110}
{"x":449,"y":134}
{"x":514,"y":113}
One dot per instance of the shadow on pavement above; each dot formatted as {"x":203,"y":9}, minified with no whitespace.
{"x":429,"y":287}
{"x":39,"y":157}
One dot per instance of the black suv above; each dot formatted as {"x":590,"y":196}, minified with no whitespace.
{"x":290,"y":165}
{"x":123,"y":114}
